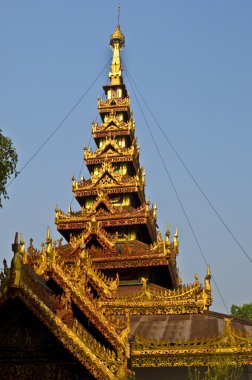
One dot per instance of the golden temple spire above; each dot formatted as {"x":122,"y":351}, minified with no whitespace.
{"x":117,"y":42}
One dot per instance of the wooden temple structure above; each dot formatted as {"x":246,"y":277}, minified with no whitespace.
{"x":109,"y":303}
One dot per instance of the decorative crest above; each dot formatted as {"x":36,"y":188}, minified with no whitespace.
{"x":117,"y":42}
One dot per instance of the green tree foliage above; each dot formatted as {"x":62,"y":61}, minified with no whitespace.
{"x":220,"y":372}
{"x":8,"y":163}
{"x":244,"y":311}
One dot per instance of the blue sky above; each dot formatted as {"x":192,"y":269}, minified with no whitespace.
{"x":192,"y":62}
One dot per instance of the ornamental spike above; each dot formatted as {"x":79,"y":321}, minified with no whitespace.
{"x":208,"y":271}
{"x":48,"y":234}
{"x":15,"y":245}
{"x":168,"y":231}
{"x":167,"y":236}
{"x":22,"y":243}
{"x":175,"y":238}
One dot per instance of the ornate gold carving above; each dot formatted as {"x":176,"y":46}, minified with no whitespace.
{"x":113,"y":199}
{"x":150,"y":300}
{"x":119,"y":104}
{"x":232,"y":346}
{"x":56,"y":313}
{"x":110,"y":148}
{"x":117,"y":42}
{"x":113,"y":125}
{"x":106,"y":176}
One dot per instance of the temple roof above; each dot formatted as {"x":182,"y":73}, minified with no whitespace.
{"x":117,"y":274}
{"x":186,"y":327}
{"x":190,"y":340}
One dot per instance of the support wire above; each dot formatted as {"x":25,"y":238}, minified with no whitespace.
{"x":59,"y":125}
{"x":189,"y":172}
{"x":174,"y":188}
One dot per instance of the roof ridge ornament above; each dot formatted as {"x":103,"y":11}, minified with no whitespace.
{"x":117,"y":43}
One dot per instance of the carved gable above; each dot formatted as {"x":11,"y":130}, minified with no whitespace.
{"x":30,"y":351}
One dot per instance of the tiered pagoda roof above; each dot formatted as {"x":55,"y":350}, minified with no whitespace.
{"x":116,"y":222}
{"x":115,"y":279}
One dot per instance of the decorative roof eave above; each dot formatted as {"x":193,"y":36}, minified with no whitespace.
{"x":112,"y":212}
{"x":231,"y":346}
{"x":120,"y":218}
{"x":158,"y":253}
{"x":87,"y":231}
{"x":98,"y":134}
{"x":20,"y":275}
{"x":106,"y":176}
{"x":115,"y":104}
{"x":112,"y":189}
{"x":134,"y":159}
{"x":152,"y":301}
{"x":129,"y":261}
{"x":88,"y":305}
{"x":118,"y":151}
{"x":113,"y":126}
{"x":196,"y":358}
{"x":18,"y":282}
{"x":79,"y":274}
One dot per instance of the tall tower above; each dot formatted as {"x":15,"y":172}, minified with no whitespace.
{"x":111,"y":293}
{"x":116,"y":223}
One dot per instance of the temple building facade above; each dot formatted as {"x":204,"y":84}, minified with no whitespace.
{"x":108,"y":302}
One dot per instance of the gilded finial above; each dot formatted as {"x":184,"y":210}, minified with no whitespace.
{"x":74,"y":183}
{"x":208,"y":272}
{"x":167,"y":234}
{"x":155,"y":211}
{"x":49,"y":248}
{"x":143,"y":175}
{"x":207,"y":291}
{"x":22,"y":249}
{"x":117,"y":39}
{"x":175,"y":238}
{"x":117,"y":42}
{"x":70,"y":210}
{"x":48,"y":235}
{"x":22,"y":243}
{"x":207,"y":279}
